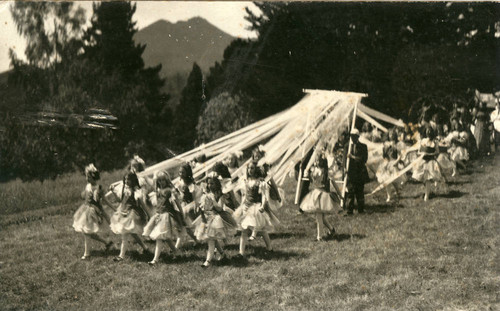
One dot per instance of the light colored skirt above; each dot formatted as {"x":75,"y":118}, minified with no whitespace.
{"x":88,"y":219}
{"x":130,"y":222}
{"x":427,"y":171}
{"x":319,"y":201}
{"x":446,"y":164}
{"x":459,"y":153}
{"x":250,"y":217}
{"x":219,"y":226}
{"x":162,"y":227}
{"x":387,"y":170}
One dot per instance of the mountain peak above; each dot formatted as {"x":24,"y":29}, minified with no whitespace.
{"x":177,"y":46}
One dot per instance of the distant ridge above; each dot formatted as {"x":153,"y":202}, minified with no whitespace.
{"x":177,"y":46}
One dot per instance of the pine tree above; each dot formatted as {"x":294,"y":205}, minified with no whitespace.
{"x":189,"y":109}
{"x":119,"y":81}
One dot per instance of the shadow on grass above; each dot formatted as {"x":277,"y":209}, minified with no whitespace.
{"x":459,"y":182}
{"x":339,"y":237}
{"x":287,"y":235}
{"x":260,"y":252}
{"x":104,"y":253}
{"x":181,"y":259}
{"x":414,"y":196}
{"x":453,"y":194}
{"x":382,"y":208}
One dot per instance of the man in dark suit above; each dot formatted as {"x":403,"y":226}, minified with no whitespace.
{"x":357,"y":174}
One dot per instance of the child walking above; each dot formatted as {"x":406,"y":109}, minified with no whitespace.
{"x":90,"y":216}
{"x":320,"y":201}
{"x":250,"y":215}
{"x":130,"y":217}
{"x":215,"y":222}
{"x":166,"y":224}
{"x":428,"y":170}
{"x":189,"y":195}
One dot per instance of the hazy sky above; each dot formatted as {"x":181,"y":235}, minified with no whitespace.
{"x":228,"y":16}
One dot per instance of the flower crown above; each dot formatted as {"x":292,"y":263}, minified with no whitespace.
{"x":91,"y":169}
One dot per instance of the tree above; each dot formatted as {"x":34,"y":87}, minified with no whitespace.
{"x":119,"y":81}
{"x":223,"y":115}
{"x":103,"y":69}
{"x":52,"y":31}
{"x":363,"y":48}
{"x":189,"y":109}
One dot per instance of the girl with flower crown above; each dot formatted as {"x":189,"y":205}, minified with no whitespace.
{"x":428,"y":170}
{"x":458,"y":150}
{"x":167,"y":223}
{"x":130,"y":217}
{"x":272,"y":195}
{"x":390,"y":166}
{"x":90,"y":216}
{"x":189,"y":195}
{"x":251,"y":215}
{"x":137,"y":165}
{"x":215,"y":222}
{"x":319,"y":200}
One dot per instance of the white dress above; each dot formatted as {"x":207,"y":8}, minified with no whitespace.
{"x":216,"y":222}
{"x":130,"y":217}
{"x":89,"y":217}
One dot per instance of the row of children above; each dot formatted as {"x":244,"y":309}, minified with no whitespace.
{"x":168,"y":211}
{"x":444,"y":149}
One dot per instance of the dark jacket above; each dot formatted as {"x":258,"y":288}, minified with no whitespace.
{"x":357,"y":172}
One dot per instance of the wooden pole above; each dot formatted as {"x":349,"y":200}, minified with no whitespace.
{"x":299,"y":179}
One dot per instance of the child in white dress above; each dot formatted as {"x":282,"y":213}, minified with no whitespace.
{"x":130,"y":217}
{"x":90,"y":216}
{"x":166,"y":223}
{"x":215,"y":222}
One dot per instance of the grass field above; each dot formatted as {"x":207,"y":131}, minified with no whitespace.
{"x":411,"y":255}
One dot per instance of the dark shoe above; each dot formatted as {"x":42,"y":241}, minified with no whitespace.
{"x":152,"y":262}
{"x":361,"y":211}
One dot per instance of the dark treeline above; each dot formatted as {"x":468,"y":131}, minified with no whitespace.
{"x":70,"y":70}
{"x":402,"y":55}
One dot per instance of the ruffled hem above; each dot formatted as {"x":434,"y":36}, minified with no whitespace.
{"x":87,"y":220}
{"x":319,"y":201}
{"x":459,"y":154}
{"x":387,"y":171}
{"x":427,"y":170}
{"x":446,"y":164}
{"x":129,"y":223}
{"x":162,"y":227}
{"x":219,"y":227}
{"x":250,"y":217}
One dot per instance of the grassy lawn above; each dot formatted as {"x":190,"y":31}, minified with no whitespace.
{"x":411,"y":255}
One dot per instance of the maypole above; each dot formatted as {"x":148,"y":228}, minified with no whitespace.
{"x":301,"y":171}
